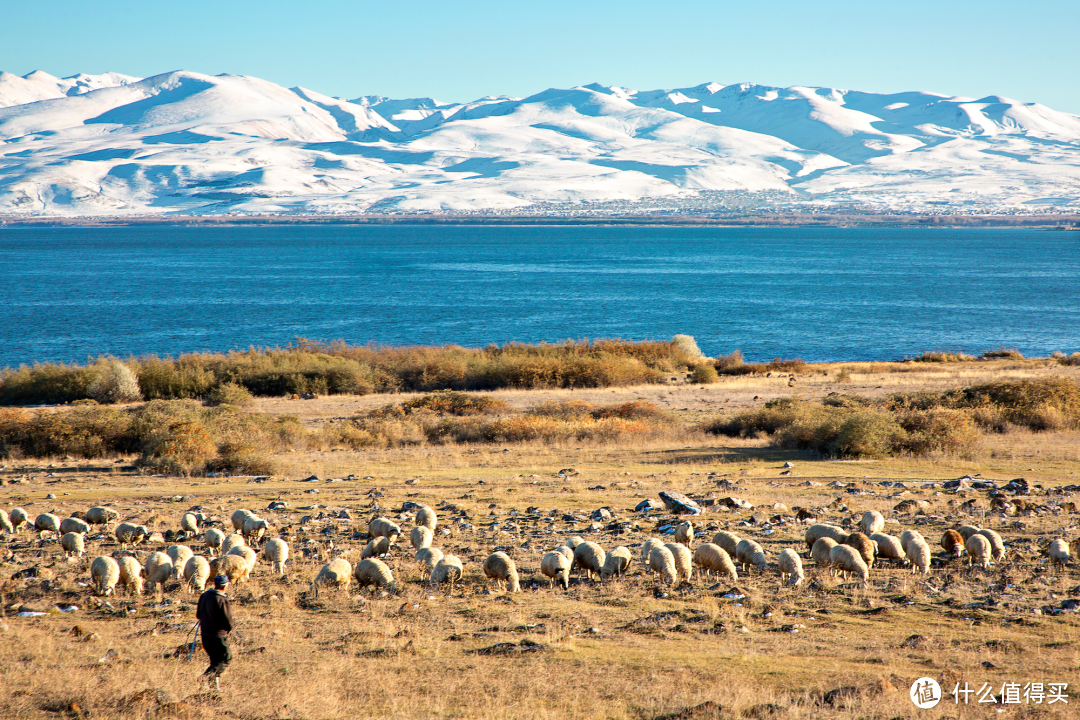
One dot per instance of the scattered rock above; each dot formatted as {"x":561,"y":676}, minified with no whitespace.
{"x":915,"y":641}
{"x":646,"y":506}
{"x":707,"y":710}
{"x":506,"y":648}
{"x":678,"y":503}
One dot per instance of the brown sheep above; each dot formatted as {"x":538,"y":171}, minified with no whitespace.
{"x":863,"y":544}
{"x":953,"y":542}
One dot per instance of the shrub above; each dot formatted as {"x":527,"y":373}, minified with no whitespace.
{"x":1073,"y":359}
{"x":868,"y":434}
{"x":942,"y":357}
{"x":688,"y":346}
{"x":733,"y":360}
{"x":941,"y":430}
{"x":47,"y":384}
{"x":776,"y":365}
{"x":115,"y":383}
{"x":704,"y":374}
{"x":1002,"y":353}
{"x":229,"y":394}
{"x":449,"y":402}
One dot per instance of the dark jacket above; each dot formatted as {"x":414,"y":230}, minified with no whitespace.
{"x":214,"y":614}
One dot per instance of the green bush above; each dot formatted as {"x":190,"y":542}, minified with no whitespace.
{"x":229,"y":394}
{"x":704,"y":374}
{"x":942,"y":357}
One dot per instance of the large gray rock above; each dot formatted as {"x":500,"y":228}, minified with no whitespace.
{"x":679,"y":503}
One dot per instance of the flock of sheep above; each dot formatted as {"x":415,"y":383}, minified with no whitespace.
{"x":829,"y":546}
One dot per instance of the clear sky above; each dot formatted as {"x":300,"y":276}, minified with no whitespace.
{"x":462,"y":50}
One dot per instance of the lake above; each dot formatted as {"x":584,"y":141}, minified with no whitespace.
{"x":69,"y":293}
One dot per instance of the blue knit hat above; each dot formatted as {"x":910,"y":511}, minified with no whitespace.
{"x":221,"y":581}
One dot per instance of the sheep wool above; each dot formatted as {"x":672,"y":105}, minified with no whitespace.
{"x":748,"y":553}
{"x":712,"y":558}
{"x":381,"y":527}
{"x":908,"y":535}
{"x":374,"y":572}
{"x":234,"y":567}
{"x":276,"y":553}
{"x":590,"y":557}
{"x":889,"y":547}
{"x":500,"y":567}
{"x":5,"y":522}
{"x":846,"y":559}
{"x":189,"y":524}
{"x":158,"y":569}
{"x":428,"y":557}
{"x":421,"y":537}
{"x":179,"y":554}
{"x":18,"y":518}
{"x":248,"y":555}
{"x":997,"y":545}
{"x":104,"y":574}
{"x":131,"y":534}
{"x":426,"y":517}
{"x":820,"y":530}
{"x":47,"y":522}
{"x":790,"y":567}
{"x":647,"y":549}
{"x":568,"y":552}
{"x":556,"y":567}
{"x":74,"y":525}
{"x":684,"y":533}
{"x":822,"y":551}
{"x":1059,"y":552}
{"x":99,"y":515}
{"x":573,"y":542}
{"x":131,"y":575}
{"x":863,"y":544}
{"x":953,"y":543}
{"x":967,"y":531}
{"x":375,"y":547}
{"x":255,"y":528}
{"x":336,"y":573}
{"x":448,"y":570}
{"x":72,"y":543}
{"x":232,"y":541}
{"x":213,"y":539}
{"x":684,"y":562}
{"x":662,"y":561}
{"x":872,"y":522}
{"x":616,"y":563}
{"x":196,"y":573}
{"x":727,"y":540}
{"x":239,"y":518}
{"x":918,"y":552}
{"x":979,"y":550}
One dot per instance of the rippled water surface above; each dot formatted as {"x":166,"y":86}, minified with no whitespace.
{"x":819,"y":294}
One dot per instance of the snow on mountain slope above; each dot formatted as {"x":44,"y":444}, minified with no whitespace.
{"x":190,"y":143}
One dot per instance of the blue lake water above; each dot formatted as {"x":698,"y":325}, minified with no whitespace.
{"x":819,"y":294}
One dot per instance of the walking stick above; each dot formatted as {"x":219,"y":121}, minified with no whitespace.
{"x":191,"y":648}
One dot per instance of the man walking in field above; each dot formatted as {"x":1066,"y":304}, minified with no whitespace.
{"x":215,"y":618}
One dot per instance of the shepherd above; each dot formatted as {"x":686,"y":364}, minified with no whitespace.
{"x":215,"y":620}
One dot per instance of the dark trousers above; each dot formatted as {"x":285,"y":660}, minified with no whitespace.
{"x":220,"y":655}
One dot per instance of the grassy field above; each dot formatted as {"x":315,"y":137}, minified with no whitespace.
{"x":629,"y":648}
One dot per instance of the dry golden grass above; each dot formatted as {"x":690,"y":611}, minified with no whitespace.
{"x":618,"y":650}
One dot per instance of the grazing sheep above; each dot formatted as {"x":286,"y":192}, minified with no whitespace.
{"x":426,"y":517}
{"x":5,"y":522}
{"x":590,"y":557}
{"x":846,"y":559}
{"x":249,"y":556}
{"x":573,"y":542}
{"x":618,"y":560}
{"x":967,"y":531}
{"x":74,"y":525}
{"x":158,"y":569}
{"x":421,"y":537}
{"x":375,"y":572}
{"x":500,"y":567}
{"x":889,"y":547}
{"x":684,"y":563}
{"x":255,"y":528}
{"x":234,"y":567}
{"x":47,"y":522}
{"x":196,"y":573}
{"x":823,"y":530}
{"x":953,"y":542}
{"x":863,"y":544}
{"x":231,"y":542}
{"x":189,"y":524}
{"x":448,"y":570}
{"x":104,"y":574}
{"x":727,"y":540}
{"x":130,"y":534}
{"x":790,"y":567}
{"x":428,"y":557}
{"x":99,"y":515}
{"x":130,"y":574}
{"x":748,"y":553}
{"x":979,"y":550}
{"x":684,"y":533}
{"x":276,"y":553}
{"x":872,"y":522}
{"x":1059,"y":552}
{"x":647,"y":549}
{"x":822,"y":551}
{"x":18,"y":518}
{"x":918,"y":552}
{"x":213,"y":539}
{"x":239,"y":518}
{"x":662,"y":561}
{"x":908,"y":535}
{"x":556,"y":567}
{"x":381,"y":527}
{"x":179,"y":554}
{"x":712,"y":558}
{"x":72,"y":543}
{"x":568,"y":552}
{"x":336,"y":572}
{"x":376,"y":546}
{"x":997,"y":545}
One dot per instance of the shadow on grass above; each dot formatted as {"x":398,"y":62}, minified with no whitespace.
{"x":714,"y":455}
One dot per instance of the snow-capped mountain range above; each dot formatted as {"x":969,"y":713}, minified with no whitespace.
{"x":186,"y":143}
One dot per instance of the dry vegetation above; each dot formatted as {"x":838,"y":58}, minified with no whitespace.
{"x":624,"y":649}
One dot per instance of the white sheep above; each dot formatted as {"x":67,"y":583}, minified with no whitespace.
{"x":556,"y":568}
{"x":131,"y":534}
{"x":179,"y":554}
{"x":590,"y":557}
{"x":684,"y":533}
{"x":5,"y":522}
{"x":72,"y":543}
{"x":18,"y":518}
{"x":727,"y":540}
{"x":381,"y":527}
{"x":104,"y":574}
{"x":748,"y":553}
{"x":336,"y":572}
{"x":908,"y":536}
{"x":500,"y":567}
{"x":821,"y":553}
{"x":249,"y":556}
{"x":276,"y":553}
{"x":889,"y":547}
{"x":239,"y":518}
{"x":130,"y":575}
{"x":573,"y":542}
{"x":376,"y":546}
{"x":790,"y":567}
{"x":997,"y":545}
{"x":662,"y":561}
{"x":189,"y":524}
{"x":426,"y":517}
{"x":99,"y":515}
{"x":616,"y":563}
{"x":196,"y":573}
{"x":967,"y":531}
{"x":647,"y":549}
{"x":232,"y":541}
{"x":918,"y":552}
{"x":213,"y":539}
{"x":255,"y":528}
{"x":158,"y":569}
{"x":428,"y":557}
{"x":375,"y":572}
{"x":684,"y":563}
{"x":47,"y":522}
{"x":864,"y":545}
{"x":872,"y":522}
{"x":712,"y":558}
{"x":846,"y":559}
{"x":1059,"y":552}
{"x":421,"y":537}
{"x":448,"y":570}
{"x":74,"y":525}
{"x":821,"y":530}
{"x":234,"y":567}
{"x":568,"y":552}
{"x":979,"y":550}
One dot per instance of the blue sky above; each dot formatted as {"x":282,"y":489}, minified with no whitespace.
{"x":462,"y":50}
